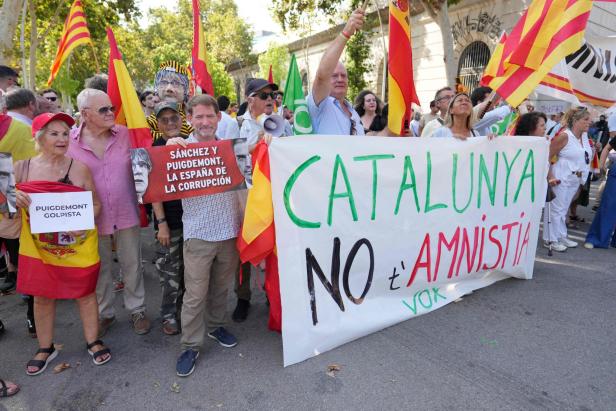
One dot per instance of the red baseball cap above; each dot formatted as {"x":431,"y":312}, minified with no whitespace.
{"x":42,"y":120}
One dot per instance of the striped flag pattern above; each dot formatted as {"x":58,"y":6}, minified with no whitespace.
{"x":199,"y":61}
{"x":74,"y":34}
{"x":495,"y":63}
{"x":124,"y":97}
{"x":400,"y":76}
{"x":257,"y":239}
{"x":548,"y":31}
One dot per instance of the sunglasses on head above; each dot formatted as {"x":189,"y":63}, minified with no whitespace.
{"x":106,"y":109}
{"x":264,"y":95}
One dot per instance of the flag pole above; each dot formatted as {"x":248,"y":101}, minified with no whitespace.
{"x":98,"y":67}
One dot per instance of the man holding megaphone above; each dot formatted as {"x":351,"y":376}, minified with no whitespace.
{"x":257,"y":122}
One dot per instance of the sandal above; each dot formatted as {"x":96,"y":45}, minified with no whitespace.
{"x":99,"y":353}
{"x":5,"y":391}
{"x":42,"y":364}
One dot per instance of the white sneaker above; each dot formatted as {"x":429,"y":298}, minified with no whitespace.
{"x":590,"y":246}
{"x":568,"y":243}
{"x":556,"y":246}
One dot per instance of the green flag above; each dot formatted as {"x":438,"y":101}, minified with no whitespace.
{"x":295,"y":100}
{"x":502,"y":127}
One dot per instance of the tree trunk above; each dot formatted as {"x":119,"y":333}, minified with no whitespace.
{"x":448,"y":58}
{"x":33,"y":46}
{"x":22,"y":42}
{"x":440,"y":15}
{"x":9,"y":17}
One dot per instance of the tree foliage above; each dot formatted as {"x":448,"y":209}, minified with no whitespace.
{"x":278,"y":57}
{"x":167,"y":36}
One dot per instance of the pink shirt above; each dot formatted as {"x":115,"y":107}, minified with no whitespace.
{"x":113,"y":179}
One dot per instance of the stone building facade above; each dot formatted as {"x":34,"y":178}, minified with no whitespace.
{"x":476,"y":27}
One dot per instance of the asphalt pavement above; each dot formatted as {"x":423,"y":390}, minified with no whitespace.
{"x":545,"y":343}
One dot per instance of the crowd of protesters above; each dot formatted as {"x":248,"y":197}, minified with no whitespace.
{"x":198,"y":262}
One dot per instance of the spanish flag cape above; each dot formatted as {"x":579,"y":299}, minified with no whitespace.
{"x":56,"y":265}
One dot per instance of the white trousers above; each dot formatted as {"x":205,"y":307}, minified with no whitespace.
{"x":555,"y":212}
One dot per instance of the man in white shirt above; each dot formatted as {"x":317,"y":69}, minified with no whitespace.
{"x":442,"y":97}
{"x":227,"y":126}
{"x":21,"y":105}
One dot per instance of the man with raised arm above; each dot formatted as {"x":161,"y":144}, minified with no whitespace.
{"x":330,"y":111}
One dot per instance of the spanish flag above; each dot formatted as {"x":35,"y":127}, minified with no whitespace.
{"x":199,"y":60}
{"x":400,"y":61}
{"x":74,"y":34}
{"x":124,"y":97}
{"x":547,"y":32}
{"x":257,"y":240}
{"x":56,"y":265}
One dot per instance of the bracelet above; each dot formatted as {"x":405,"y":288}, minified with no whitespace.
{"x":161,"y":220}
{"x":345,"y":35}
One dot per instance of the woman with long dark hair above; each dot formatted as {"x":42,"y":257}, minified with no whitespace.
{"x":369,"y":107}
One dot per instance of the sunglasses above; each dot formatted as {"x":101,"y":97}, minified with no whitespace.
{"x":168,"y":120}
{"x":586,"y":157}
{"x":263,"y":95}
{"x":106,"y":109}
{"x":52,"y":99}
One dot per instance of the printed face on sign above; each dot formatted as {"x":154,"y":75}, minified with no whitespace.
{"x":7,"y":184}
{"x":142,"y":165}
{"x":240,"y":148}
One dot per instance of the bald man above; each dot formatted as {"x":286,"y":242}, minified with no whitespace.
{"x":331,"y":112}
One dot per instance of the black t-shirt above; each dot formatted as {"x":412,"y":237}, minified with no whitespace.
{"x":173,"y":208}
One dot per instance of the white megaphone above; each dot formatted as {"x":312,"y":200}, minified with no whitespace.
{"x":272,"y":124}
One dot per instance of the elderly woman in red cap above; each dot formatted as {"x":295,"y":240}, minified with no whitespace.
{"x":53,"y":171}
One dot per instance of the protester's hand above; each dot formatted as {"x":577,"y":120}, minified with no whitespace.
{"x":553,"y":182}
{"x":267,"y":137}
{"x":22,"y":200}
{"x":355,"y":23}
{"x":163,"y":236}
{"x":177,"y":141}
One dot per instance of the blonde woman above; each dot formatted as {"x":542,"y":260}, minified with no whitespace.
{"x":570,"y":167}
{"x":458,"y":119}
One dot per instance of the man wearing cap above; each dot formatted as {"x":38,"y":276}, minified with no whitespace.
{"x":8,"y":78}
{"x":105,"y":148}
{"x":168,"y":226}
{"x":171,"y":85}
{"x":329,"y":109}
{"x":260,"y":98}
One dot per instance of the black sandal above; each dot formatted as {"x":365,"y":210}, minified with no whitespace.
{"x":42,"y":364}
{"x":99,"y":353}
{"x":4,"y":389}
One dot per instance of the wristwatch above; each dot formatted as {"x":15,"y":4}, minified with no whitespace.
{"x":161,"y":220}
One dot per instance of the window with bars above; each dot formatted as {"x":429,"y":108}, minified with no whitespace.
{"x":473,"y":61}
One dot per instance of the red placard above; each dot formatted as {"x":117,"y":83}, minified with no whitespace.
{"x":166,"y":173}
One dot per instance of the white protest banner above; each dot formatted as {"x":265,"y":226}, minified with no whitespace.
{"x":373,"y":231}
{"x":588,"y":75}
{"x":61,"y":212}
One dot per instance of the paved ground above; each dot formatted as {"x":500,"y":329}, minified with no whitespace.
{"x":547,"y":343}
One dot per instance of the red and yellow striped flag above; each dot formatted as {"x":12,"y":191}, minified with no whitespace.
{"x":400,"y":77}
{"x":495,"y":63}
{"x":199,"y":61}
{"x":548,"y":31}
{"x":257,"y":240}
{"x":74,"y":34}
{"x":124,"y":97}
{"x":56,"y":265}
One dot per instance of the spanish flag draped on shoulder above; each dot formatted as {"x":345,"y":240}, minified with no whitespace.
{"x":124,"y":97}
{"x":56,"y":265}
{"x":74,"y":34}
{"x":400,"y":77}
{"x":257,"y":240}
{"x":548,"y":31}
